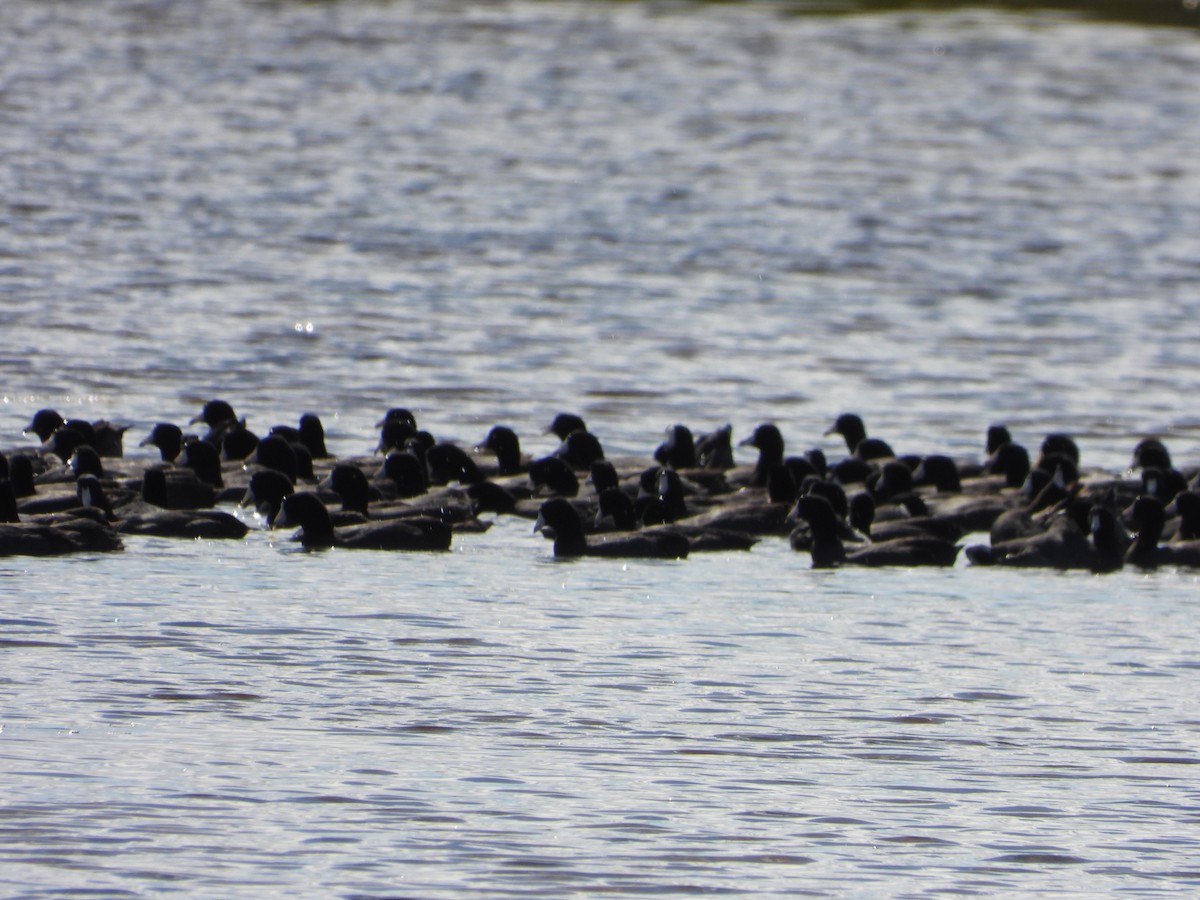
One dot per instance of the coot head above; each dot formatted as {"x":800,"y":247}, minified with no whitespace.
{"x":769,"y":441}
{"x":1012,"y":461}
{"x":91,"y":493}
{"x":565,"y":424}
{"x":395,"y":435}
{"x":350,"y":483}
{"x":312,"y":435}
{"x":1151,"y":453}
{"x":679,"y":449}
{"x":398,"y":414}
{"x":715,"y":449}
{"x":941,"y":472}
{"x":168,"y":438}
{"x":274,"y":452}
{"x":579,"y":450}
{"x":45,"y":422}
{"x":504,"y":443}
{"x":448,"y":462}
{"x":555,"y":475}
{"x":86,"y":461}
{"x":215,"y":414}
{"x":997,"y":437}
{"x":266,"y":491}
{"x":1060,"y":445}
{"x":406,"y":471}
{"x":603,"y":476}
{"x":558,"y":519}
{"x":203,"y":458}
{"x":66,"y":441}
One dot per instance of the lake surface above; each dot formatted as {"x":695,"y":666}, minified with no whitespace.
{"x":491,"y":212}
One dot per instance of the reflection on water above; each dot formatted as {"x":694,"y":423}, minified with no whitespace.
{"x":706,"y":214}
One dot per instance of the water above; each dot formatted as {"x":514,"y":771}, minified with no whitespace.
{"x":491,"y":212}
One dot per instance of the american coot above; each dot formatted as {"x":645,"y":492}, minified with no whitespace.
{"x":862,"y":519}
{"x":447,"y":462}
{"x":768,"y":440}
{"x":715,"y":449}
{"x":828,"y":550}
{"x":565,"y":424}
{"x":103,"y":436}
{"x":850,"y":426}
{"x":1149,"y":516}
{"x":616,"y":508}
{"x":504,"y":443}
{"x":170,"y":487}
{"x":306,"y":511}
{"x":554,"y":474}
{"x":560,"y":520}
{"x":678,"y":450}
{"x":168,"y":438}
{"x":265,"y":493}
{"x":1044,"y":493}
{"x":139,"y":516}
{"x":204,"y":459}
{"x":52,"y":535}
{"x":939,"y":471}
{"x":404,"y":474}
{"x":350,"y":484}
{"x":1064,"y":544}
{"x":310,"y":434}
{"x":1186,"y":504}
{"x":579,"y":450}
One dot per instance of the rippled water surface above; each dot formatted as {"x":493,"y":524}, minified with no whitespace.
{"x":490,"y":212}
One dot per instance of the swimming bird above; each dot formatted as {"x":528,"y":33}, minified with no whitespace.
{"x":617,"y":508}
{"x":203,"y":458}
{"x":554,"y":474}
{"x":1187,"y":505}
{"x":504,"y":443}
{"x":603,"y":476}
{"x":395,"y":434}
{"x":168,"y":438}
{"x":1011,"y":461}
{"x":579,"y":450}
{"x":398,"y":414}
{"x":310,"y":434}
{"x":850,"y":426}
{"x":862,"y":519}
{"x":768,"y":440}
{"x":404,"y":473}
{"x":1043,"y":492}
{"x":1151,"y":453}
{"x":1064,"y":544}
{"x":560,"y":520}
{"x":86,"y":461}
{"x":317,"y":532}
{"x":715,"y":449}
{"x":1149,"y":518}
{"x":565,"y":424}
{"x":828,"y":551}
{"x":265,"y":493}
{"x":101,"y":435}
{"x":447,"y":462}
{"x":939,"y":471}
{"x":147,"y":518}
{"x":678,"y":450}
{"x":53,"y":536}
{"x":275,"y":452}
{"x":21,"y":475}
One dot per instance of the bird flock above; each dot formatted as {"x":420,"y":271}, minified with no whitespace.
{"x":75,"y":491}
